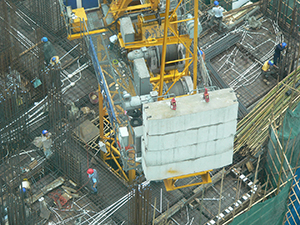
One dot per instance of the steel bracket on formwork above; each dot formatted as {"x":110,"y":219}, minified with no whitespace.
{"x":170,"y":182}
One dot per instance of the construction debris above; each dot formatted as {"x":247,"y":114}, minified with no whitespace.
{"x":59,"y":181}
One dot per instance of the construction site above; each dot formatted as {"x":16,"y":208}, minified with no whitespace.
{"x":137,"y":112}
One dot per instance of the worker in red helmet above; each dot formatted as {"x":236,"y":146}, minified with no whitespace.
{"x":93,"y":176}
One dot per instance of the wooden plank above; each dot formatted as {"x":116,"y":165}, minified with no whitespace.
{"x":69,"y":189}
{"x":240,"y":9}
{"x":54,"y":184}
{"x":33,"y":164}
{"x":250,"y":166}
{"x":170,"y":212}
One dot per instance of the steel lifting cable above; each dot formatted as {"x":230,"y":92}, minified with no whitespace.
{"x":87,"y":155}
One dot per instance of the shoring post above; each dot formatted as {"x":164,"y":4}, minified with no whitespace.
{"x":278,"y":158}
{"x":220,"y":199}
{"x":254,"y":182}
{"x":272,"y":160}
{"x":266,"y":188}
{"x":291,"y":157}
{"x":201,"y":203}
{"x":238,"y":186}
{"x":281,"y":158}
{"x":154,"y":211}
{"x":281,"y":166}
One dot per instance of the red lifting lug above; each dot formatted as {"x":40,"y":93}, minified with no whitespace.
{"x":206,"y":95}
{"x":173,"y":104}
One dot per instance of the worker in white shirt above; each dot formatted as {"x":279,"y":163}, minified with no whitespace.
{"x":47,"y":143}
{"x":218,"y":14}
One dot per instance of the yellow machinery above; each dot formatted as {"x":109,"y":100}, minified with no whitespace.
{"x":79,"y":15}
{"x":154,"y":31}
{"x":170,"y":182}
{"x":120,"y":7}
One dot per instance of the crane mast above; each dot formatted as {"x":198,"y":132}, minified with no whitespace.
{"x":142,"y":53}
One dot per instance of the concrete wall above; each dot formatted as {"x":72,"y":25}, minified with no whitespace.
{"x":195,"y":137}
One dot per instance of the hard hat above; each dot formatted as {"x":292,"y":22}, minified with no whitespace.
{"x":44,"y":39}
{"x":283,"y":44}
{"x":53,"y":59}
{"x":44,"y":132}
{"x":216,"y":3}
{"x":271,"y":63}
{"x":200,"y":53}
{"x":90,"y":171}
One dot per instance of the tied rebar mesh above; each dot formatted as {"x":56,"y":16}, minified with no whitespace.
{"x":43,"y":13}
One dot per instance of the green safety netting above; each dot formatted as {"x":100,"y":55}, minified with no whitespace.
{"x":273,"y":210}
{"x":270,"y":212}
{"x":289,"y":137}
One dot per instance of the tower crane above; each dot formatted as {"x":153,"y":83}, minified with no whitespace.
{"x":143,"y":53}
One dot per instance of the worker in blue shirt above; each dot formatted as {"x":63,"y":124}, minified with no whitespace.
{"x":49,"y":50}
{"x":201,"y":52}
{"x":218,"y":14}
{"x":279,"y":48}
{"x":93,"y":176}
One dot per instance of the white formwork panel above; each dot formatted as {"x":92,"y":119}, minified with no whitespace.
{"x":195,"y":137}
{"x":189,"y":152}
{"x":186,"y":167}
{"x":192,"y":136}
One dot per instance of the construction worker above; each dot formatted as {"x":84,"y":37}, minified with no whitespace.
{"x":47,"y":143}
{"x":201,"y":52}
{"x":54,"y":61}
{"x":49,"y":50}
{"x":93,"y":176}
{"x":45,"y":133}
{"x":25,"y":187}
{"x":279,"y":48}
{"x":266,"y":70}
{"x":218,"y":15}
